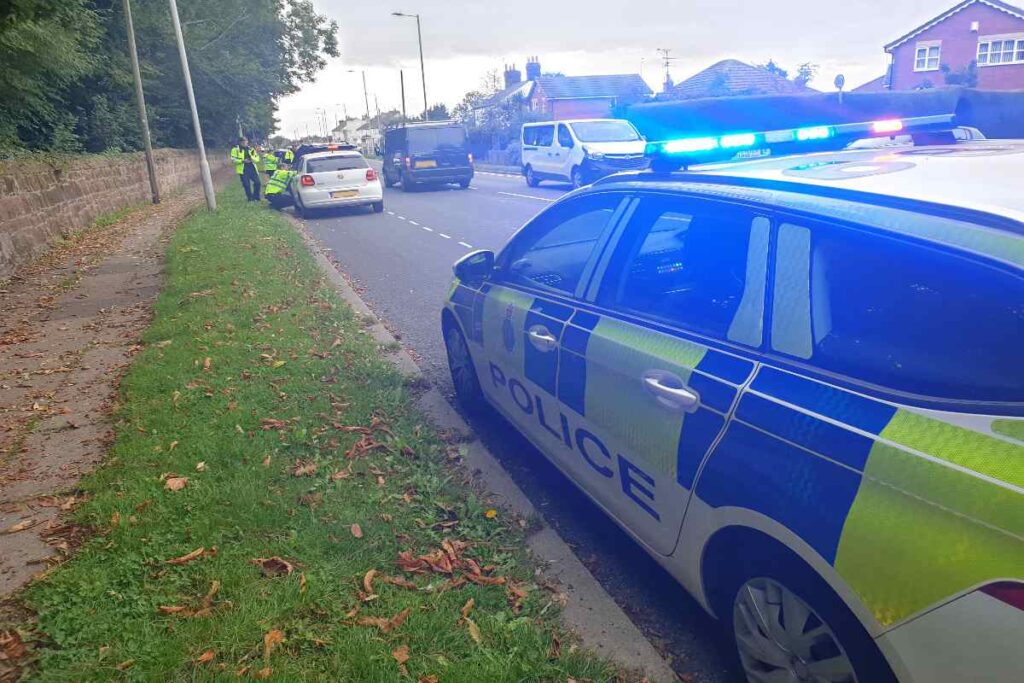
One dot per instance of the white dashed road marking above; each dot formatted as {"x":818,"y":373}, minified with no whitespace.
{"x":412,"y":222}
{"x":427,"y":229}
{"x":447,"y":237}
{"x":527,"y":196}
{"x":401,"y":218}
{"x":467,"y":246}
{"x":391,"y":213}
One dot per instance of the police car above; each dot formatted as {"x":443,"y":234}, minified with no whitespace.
{"x":797,"y":382}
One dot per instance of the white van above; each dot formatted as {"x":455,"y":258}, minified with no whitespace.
{"x":580,"y":151}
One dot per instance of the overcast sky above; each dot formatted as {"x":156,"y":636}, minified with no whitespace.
{"x":464,"y":39}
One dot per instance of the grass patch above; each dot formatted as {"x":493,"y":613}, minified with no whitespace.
{"x":251,"y":378}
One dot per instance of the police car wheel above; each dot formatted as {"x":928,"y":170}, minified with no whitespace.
{"x":788,"y":624}
{"x":531,"y":178}
{"x":460,"y":364}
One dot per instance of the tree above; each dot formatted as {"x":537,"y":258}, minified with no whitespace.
{"x":771,"y":67}
{"x":804,"y":73}
{"x":438,"y":112}
{"x":967,"y":76}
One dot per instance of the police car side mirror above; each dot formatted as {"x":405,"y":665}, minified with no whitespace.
{"x":474,"y":267}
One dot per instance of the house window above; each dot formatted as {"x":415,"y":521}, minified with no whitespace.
{"x":926,"y":57}
{"x":1008,"y":49}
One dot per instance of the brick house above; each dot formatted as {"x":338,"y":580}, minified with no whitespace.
{"x":989,"y":33}
{"x":558,"y":97}
{"x":730,"y":78}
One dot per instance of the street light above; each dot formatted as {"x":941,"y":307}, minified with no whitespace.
{"x":423,"y":70}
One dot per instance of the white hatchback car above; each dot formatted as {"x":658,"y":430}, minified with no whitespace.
{"x":334,"y":179}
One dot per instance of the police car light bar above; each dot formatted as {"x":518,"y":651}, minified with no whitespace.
{"x":679,"y":152}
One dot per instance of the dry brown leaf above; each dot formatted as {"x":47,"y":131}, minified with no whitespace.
{"x":271,"y":639}
{"x":273,"y":566}
{"x":206,"y":657}
{"x":115,"y":519}
{"x":368,"y":580}
{"x":207,"y":362}
{"x":212,"y":593}
{"x":341,"y":474}
{"x":172,"y":609}
{"x":201,"y":466}
{"x":21,"y":526}
{"x":356,"y":530}
{"x":188,"y":557}
{"x":401,"y":654}
{"x":399,"y":581}
{"x":12,"y":648}
{"x":467,"y":608}
{"x":302,"y":582}
{"x":427,"y":679}
{"x":482,"y":580}
{"x":304,"y":468}
{"x":555,"y":651}
{"x":263,"y":674}
{"x":474,"y":631}
{"x":175,"y":483}
{"x":266,"y":461}
{"x":517,"y":593}
{"x":126,"y":664}
{"x":383,"y":624}
{"x":174,"y":444}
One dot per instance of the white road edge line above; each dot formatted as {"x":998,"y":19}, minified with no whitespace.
{"x":447,"y":237}
{"x":526,"y":196}
{"x":467,"y":246}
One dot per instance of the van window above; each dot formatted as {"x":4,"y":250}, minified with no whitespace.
{"x":339,"y":163}
{"x":700,"y":266}
{"x":430,"y":140}
{"x":899,"y":315}
{"x":564,"y":136}
{"x":538,"y":136}
{"x":553,"y":249}
{"x":605,"y":131}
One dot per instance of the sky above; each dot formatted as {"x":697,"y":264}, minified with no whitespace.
{"x":465,"y":39}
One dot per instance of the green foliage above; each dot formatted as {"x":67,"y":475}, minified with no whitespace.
{"x":967,"y":76}
{"x":68,"y":60}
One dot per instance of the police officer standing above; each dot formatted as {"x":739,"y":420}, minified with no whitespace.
{"x":269,"y":162}
{"x":246,"y":159}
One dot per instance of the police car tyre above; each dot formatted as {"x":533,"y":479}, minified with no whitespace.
{"x":460,"y":364}
{"x":531,"y":178}
{"x":803,"y":631}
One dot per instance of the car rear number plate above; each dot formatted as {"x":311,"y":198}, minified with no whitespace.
{"x":342,"y":194}
{"x":426,"y":163}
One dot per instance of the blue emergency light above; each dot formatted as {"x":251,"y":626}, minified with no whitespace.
{"x":667,"y":155}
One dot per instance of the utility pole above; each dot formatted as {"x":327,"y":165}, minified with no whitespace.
{"x":423,"y":69}
{"x":664,"y":52}
{"x":140,"y":101}
{"x":401,"y":84}
{"x":204,"y":166}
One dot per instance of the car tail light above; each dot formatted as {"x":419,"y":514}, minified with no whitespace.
{"x":307,"y":181}
{"x":371,"y":175}
{"x":1010,"y":592}
{"x":469,"y":157}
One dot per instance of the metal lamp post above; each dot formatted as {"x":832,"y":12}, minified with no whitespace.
{"x":423,"y":70}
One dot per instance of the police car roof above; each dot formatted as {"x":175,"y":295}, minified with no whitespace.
{"x":965,"y":195}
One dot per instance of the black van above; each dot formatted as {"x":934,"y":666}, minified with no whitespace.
{"x":420,"y":153}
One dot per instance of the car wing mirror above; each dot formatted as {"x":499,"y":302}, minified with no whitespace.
{"x":474,"y":267}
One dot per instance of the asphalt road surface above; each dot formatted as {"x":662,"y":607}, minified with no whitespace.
{"x":400,"y":261}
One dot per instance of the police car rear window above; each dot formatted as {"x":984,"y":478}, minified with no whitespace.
{"x":339,"y":163}
{"x":894,"y":314}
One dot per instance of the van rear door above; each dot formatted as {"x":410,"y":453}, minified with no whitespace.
{"x":437,"y":147}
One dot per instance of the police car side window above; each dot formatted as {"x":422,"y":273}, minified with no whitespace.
{"x":900,"y":315}
{"x":701,"y":266}
{"x":552,"y":251}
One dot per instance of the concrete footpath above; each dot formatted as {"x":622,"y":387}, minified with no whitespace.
{"x":588,"y":610}
{"x":69,"y":324}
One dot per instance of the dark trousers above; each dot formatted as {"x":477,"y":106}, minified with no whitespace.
{"x":251,"y":182}
{"x":279,"y":200}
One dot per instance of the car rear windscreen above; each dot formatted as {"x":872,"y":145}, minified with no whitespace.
{"x":428,"y":140}
{"x":329,"y":164}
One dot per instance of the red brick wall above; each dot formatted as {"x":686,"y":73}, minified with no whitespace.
{"x":959,"y":47}
{"x":581,"y":109}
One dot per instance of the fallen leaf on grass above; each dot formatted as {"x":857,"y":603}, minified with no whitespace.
{"x":206,"y":657}
{"x":555,"y":651}
{"x":115,"y":519}
{"x":427,"y":679}
{"x":263,"y":674}
{"x":491,"y":514}
{"x":271,"y":639}
{"x":474,"y":631}
{"x":266,"y":461}
{"x":11,"y":646}
{"x":172,"y":609}
{"x":21,"y":526}
{"x":201,"y":466}
{"x":175,"y":483}
{"x":401,"y":655}
{"x":467,"y":608}
{"x":273,"y":566}
{"x":481,"y":580}
{"x":304,"y":468}
{"x":126,"y":664}
{"x":207,"y":362}
{"x":194,"y":555}
{"x":174,"y":444}
{"x":269,"y":423}
{"x":341,"y":474}
{"x":385,"y":625}
{"x":356,"y":530}
{"x":517,"y":593}
{"x":399,"y":581}
{"x":368,"y":580}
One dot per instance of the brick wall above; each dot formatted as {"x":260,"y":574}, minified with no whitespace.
{"x":40,"y":201}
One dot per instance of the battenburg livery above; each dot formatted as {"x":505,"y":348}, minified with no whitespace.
{"x":797,"y":381}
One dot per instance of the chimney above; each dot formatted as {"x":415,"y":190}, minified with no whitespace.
{"x":512,"y":76}
{"x":532,"y":69}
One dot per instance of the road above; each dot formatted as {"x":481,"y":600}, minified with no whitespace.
{"x":400,"y":261}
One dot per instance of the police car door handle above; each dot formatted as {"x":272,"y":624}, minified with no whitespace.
{"x":541,"y":339}
{"x":669,"y":391}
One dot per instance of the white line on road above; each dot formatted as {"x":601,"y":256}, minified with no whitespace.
{"x":412,"y":222}
{"x":401,"y":218}
{"x":447,"y":237}
{"x":427,"y":229}
{"x":391,"y":213}
{"x":526,"y":196}
{"x":467,"y":246}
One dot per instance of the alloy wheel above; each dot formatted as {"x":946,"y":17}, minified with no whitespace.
{"x":782,"y":640}
{"x":460,"y":363}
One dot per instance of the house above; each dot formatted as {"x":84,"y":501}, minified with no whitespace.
{"x":559,"y":97}
{"x":731,"y":77}
{"x":986,"y":36}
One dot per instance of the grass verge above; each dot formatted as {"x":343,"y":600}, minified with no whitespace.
{"x":321,"y":533}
